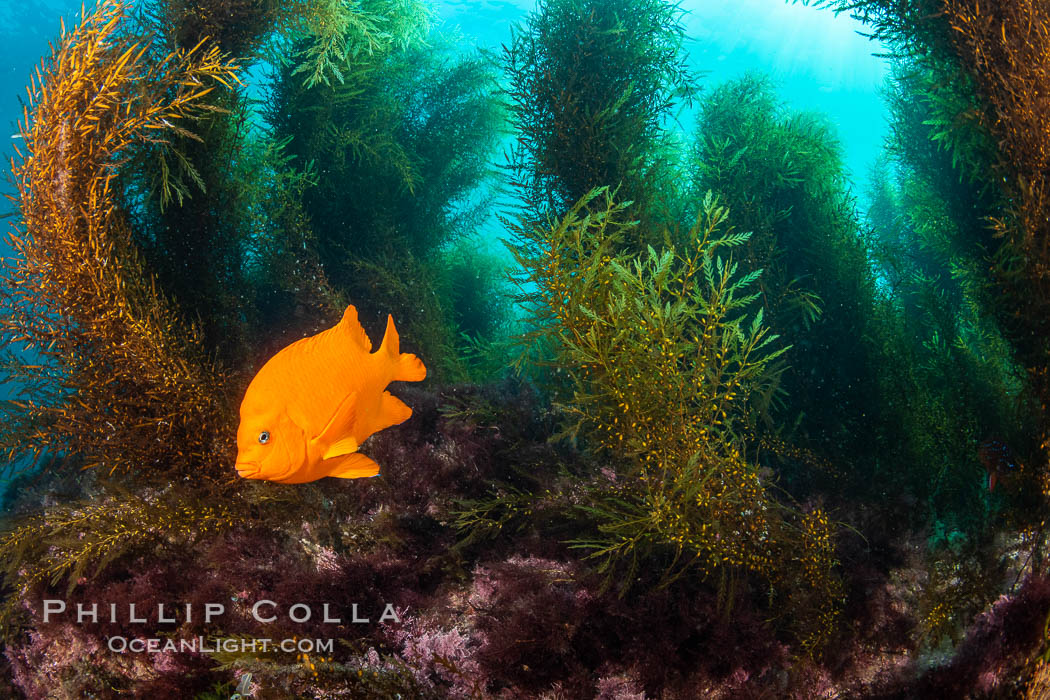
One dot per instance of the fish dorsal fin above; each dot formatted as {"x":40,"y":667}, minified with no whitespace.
{"x":356,"y":466}
{"x":407,"y":367}
{"x":391,"y":340}
{"x":351,"y":325}
{"x":342,"y":420}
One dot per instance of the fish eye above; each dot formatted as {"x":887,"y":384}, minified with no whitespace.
{"x":264,"y":437}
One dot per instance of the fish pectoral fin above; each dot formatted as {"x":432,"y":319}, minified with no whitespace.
{"x":341,"y":422}
{"x":355,"y":466}
{"x":346,"y":446}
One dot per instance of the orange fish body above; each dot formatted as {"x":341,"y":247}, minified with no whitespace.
{"x":313,"y":403}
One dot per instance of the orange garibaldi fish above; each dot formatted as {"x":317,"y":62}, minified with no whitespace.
{"x":313,"y":403}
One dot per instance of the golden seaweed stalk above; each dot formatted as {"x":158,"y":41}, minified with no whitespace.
{"x":109,"y":372}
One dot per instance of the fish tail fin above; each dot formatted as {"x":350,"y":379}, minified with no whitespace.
{"x":410,"y":369}
{"x":407,"y":367}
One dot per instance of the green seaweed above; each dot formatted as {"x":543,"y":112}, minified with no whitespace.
{"x":782,"y":177}
{"x":660,"y":361}
{"x":592,"y":83}
{"x":404,"y":145}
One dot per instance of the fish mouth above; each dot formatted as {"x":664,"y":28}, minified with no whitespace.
{"x":246,"y":470}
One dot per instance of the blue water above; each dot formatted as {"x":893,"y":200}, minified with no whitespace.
{"x":817,"y":59}
{"x":26,"y":27}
